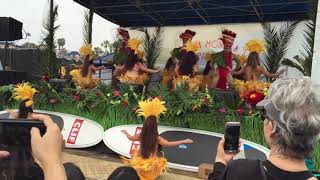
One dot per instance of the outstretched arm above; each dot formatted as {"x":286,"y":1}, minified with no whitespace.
{"x":266,"y":73}
{"x":164,"y":142}
{"x":241,"y":71}
{"x":97,"y":68}
{"x":131,"y":138}
{"x":145,"y":69}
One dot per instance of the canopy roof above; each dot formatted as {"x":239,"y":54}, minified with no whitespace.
{"x":146,"y":13}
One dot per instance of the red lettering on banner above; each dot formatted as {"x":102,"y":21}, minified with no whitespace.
{"x":74,"y":131}
{"x":135,"y":145}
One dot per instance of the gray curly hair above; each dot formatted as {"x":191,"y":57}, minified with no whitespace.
{"x":298,"y":129}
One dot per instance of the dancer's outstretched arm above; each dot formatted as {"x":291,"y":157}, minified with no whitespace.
{"x":266,"y":73}
{"x":145,"y":69}
{"x":164,"y":142}
{"x":132,"y":138}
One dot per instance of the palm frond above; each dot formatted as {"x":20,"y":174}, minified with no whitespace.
{"x":290,"y":63}
{"x":87,"y":26}
{"x":152,"y":46}
{"x":277,"y":42}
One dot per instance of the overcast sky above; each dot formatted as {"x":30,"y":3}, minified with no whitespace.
{"x":70,"y":18}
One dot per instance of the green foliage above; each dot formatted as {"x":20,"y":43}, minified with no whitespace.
{"x":87,"y":26}
{"x":219,"y":59}
{"x":152,"y":45}
{"x":277,"y":42}
{"x":305,"y":63}
{"x":5,"y":94}
{"x":50,"y":29}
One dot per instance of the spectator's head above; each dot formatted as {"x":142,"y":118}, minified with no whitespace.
{"x":149,"y":136}
{"x":24,"y":110}
{"x":188,"y":61}
{"x":292,"y":117}
{"x":124,"y":173}
{"x":253,"y":60}
{"x":73,"y":172}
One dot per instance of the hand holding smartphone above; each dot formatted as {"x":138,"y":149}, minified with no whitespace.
{"x":232,"y":137}
{"x":17,"y":131}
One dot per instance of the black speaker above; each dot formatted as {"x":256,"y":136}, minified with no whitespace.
{"x":10,"y":29}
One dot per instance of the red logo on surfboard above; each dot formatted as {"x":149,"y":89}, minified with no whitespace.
{"x":135,"y":145}
{"x":74,"y":131}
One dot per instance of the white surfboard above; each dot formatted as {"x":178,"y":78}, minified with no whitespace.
{"x":184,"y":157}
{"x":78,"y":132}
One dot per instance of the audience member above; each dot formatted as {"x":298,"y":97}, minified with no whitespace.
{"x":124,"y":173}
{"x":17,"y":161}
{"x":291,"y":129}
{"x":73,"y":172}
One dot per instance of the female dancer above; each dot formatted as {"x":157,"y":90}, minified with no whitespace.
{"x":169,"y":73}
{"x":24,"y":92}
{"x":253,"y":70}
{"x":83,"y":75}
{"x":210,"y":75}
{"x":133,"y":71}
{"x":147,"y":162}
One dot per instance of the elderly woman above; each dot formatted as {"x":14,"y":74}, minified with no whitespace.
{"x":291,"y":129}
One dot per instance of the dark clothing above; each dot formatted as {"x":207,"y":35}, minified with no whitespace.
{"x":244,"y":169}
{"x":35,"y":173}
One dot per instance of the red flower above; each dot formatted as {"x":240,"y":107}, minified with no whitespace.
{"x":52,"y":101}
{"x":117,"y":93}
{"x":222,"y":110}
{"x":253,"y":97}
{"x":240,"y":111}
{"x":206,"y":100}
{"x":77,"y":97}
{"x":45,"y":77}
{"x":123,"y":104}
{"x":98,"y":94}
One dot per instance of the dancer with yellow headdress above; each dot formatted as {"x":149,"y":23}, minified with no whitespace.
{"x":187,"y":70}
{"x":147,"y":161}
{"x":253,"y":70}
{"x":133,"y":71}
{"x":83,"y":75}
{"x":25,"y":93}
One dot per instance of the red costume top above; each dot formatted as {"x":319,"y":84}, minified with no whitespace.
{"x":227,"y":39}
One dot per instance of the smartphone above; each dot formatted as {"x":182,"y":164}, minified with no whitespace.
{"x":232,"y":137}
{"x":17,"y":131}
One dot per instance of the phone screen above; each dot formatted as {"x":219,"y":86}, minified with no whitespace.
{"x":17,"y":132}
{"x":232,"y":135}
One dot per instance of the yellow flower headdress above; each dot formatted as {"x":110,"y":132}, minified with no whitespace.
{"x":86,"y":50}
{"x":24,"y":92}
{"x":134,"y":44}
{"x":153,"y":107}
{"x":255,"y":45}
{"x":192,"y":46}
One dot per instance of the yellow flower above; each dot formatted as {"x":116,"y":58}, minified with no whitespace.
{"x":192,"y":46}
{"x":63,"y":71}
{"x":134,"y":44}
{"x":255,"y":45}
{"x":148,"y":108}
{"x":242,"y":59}
{"x":23,"y":92}
{"x":75,"y":73}
{"x":86,"y":50}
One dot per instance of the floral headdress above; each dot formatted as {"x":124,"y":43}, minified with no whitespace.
{"x":228,"y":36}
{"x":24,"y":92}
{"x":192,"y":46}
{"x":134,"y":44}
{"x":255,"y":45}
{"x":153,"y":107}
{"x":86,"y":50}
{"x":123,"y":33}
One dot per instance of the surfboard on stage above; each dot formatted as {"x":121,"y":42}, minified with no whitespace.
{"x":78,"y":132}
{"x":186,"y":157}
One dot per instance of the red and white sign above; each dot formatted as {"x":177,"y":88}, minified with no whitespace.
{"x":74,"y":131}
